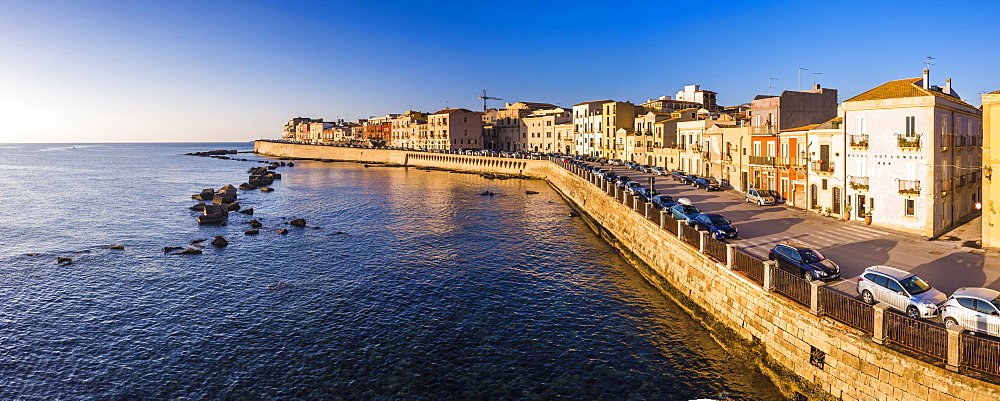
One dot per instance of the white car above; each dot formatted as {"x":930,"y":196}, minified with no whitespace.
{"x":975,"y":309}
{"x":657,"y":171}
{"x":760,"y":197}
{"x":615,"y":162}
{"x":901,"y":290}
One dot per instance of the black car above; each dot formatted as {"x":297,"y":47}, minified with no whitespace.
{"x":717,"y":225}
{"x":678,"y":175}
{"x":663,"y":201}
{"x":804,"y":261}
{"x":709,"y":183}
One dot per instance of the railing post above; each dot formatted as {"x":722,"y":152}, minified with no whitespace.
{"x":680,"y":224}
{"x":663,"y":219}
{"x":730,"y":253}
{"x":768,"y":277}
{"x":954,"y":348}
{"x":878,"y":327}
{"x":618,"y":195}
{"x":701,"y":241}
{"x":814,"y":287}
{"x":649,"y":211}
{"x":635,"y":203}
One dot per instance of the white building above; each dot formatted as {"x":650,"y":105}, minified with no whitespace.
{"x":587,"y":126}
{"x":918,"y":147}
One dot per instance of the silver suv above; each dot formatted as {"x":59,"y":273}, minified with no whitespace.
{"x":760,"y":197}
{"x":902,"y":290}
{"x":976,"y":309}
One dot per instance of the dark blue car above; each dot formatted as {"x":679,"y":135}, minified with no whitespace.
{"x":717,"y":225}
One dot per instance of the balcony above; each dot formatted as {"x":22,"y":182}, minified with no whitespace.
{"x":791,"y":162}
{"x":859,"y":141}
{"x":694,"y":147}
{"x":821,"y":166}
{"x":908,"y":141}
{"x":762,"y":160}
{"x":912,"y":187}
{"x":858,"y":183}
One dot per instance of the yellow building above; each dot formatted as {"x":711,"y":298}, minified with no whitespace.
{"x":617,"y":116}
{"x":991,"y":164}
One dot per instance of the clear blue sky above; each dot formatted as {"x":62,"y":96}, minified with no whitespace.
{"x":128,"y":71}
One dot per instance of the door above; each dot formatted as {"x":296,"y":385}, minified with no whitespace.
{"x":987,"y":318}
{"x":897,"y":297}
{"x":743,"y":181}
{"x":966,"y":314}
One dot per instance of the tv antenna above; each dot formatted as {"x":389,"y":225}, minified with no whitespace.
{"x":814,"y":78}
{"x":928,"y":64}
{"x":769,"y":85}
{"x":798,"y":84}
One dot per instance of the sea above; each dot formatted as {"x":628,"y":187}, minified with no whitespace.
{"x":404,"y":284}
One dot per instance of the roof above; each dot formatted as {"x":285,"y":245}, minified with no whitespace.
{"x":902,"y":88}
{"x":802,"y":128}
{"x":982,"y":293}
{"x":449,"y":111}
{"x":994,"y":93}
{"x":594,"y":101}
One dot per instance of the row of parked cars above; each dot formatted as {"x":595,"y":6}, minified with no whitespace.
{"x":974,"y":309}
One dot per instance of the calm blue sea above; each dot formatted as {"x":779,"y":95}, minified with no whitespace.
{"x":430,"y":291}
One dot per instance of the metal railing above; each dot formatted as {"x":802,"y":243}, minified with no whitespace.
{"x":847,"y":310}
{"x":859,"y":140}
{"x":911,"y":187}
{"x":715,"y":248}
{"x":791,"y":162}
{"x":980,"y":354}
{"x":762,"y":160}
{"x":794,"y":287}
{"x":753,"y":267}
{"x":690,"y":235}
{"x":821,"y":166}
{"x":670,"y":224}
{"x":916,"y":335}
{"x":908,"y":141}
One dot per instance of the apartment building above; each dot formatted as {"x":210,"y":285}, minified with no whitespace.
{"x":919,"y":148}
{"x":455,"y":129}
{"x":587,"y":126}
{"x":991,"y":192}
{"x":507,"y":129}
{"x":404,"y":129}
{"x":619,"y":118}
{"x":541,"y":127}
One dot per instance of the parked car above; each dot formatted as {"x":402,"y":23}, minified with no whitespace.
{"x":678,"y":175}
{"x":708,"y":183}
{"x":774,"y":194}
{"x":975,"y":309}
{"x":901,"y":290}
{"x":645,"y":168}
{"x":632,"y":186}
{"x":657,"y":170}
{"x":760,"y":197}
{"x":717,"y":225}
{"x":621,"y":180}
{"x":644,"y":194}
{"x":615,"y":162}
{"x":690,"y":179}
{"x":663,"y":201}
{"x":801,"y":260}
{"x":610,"y":176}
{"x":685,"y":211}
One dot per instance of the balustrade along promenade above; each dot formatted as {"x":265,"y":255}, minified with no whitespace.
{"x":813,"y":341}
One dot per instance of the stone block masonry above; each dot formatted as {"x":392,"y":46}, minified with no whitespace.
{"x":782,"y":337}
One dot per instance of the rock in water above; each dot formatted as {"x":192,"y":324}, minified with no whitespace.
{"x":171,"y":248}
{"x":248,"y":210}
{"x":298,"y":222}
{"x":282,"y":231}
{"x":290,"y":164}
{"x":252,"y":231}
{"x":220,"y":242}
{"x":64,"y":260}
{"x":266,"y":189}
{"x":117,"y":247}
{"x":199,"y":207}
{"x":255,"y":224}
{"x":199,"y":240}
{"x":531,"y":192}
{"x":189,"y":251}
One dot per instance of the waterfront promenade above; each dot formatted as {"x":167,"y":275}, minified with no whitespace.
{"x":807,"y":349}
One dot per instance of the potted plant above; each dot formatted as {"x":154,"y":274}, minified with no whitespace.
{"x":868,"y":218}
{"x":847,"y":212}
{"x":827,"y":212}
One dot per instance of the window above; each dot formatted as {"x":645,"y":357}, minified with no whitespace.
{"x":911,"y":125}
{"x":824,"y":184}
{"x":909,"y":206}
{"x":861,"y":125}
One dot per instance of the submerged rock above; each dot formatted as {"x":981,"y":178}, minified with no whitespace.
{"x":252,"y":231}
{"x":298,"y":222}
{"x":117,"y":247}
{"x":282,"y":231}
{"x":171,"y":248}
{"x":248,"y":210}
{"x":255,"y":224}
{"x":531,"y":192}
{"x":64,"y":260}
{"x":266,"y":189}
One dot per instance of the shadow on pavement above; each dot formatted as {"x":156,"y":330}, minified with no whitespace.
{"x":853,"y":258}
{"x":763,"y":228}
{"x":949,"y":272}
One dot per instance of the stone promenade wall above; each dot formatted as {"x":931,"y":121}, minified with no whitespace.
{"x":760,"y":326}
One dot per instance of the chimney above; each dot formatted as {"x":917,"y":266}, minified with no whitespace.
{"x":947,"y":85}
{"x":927,"y":78}
{"x":816,"y":86}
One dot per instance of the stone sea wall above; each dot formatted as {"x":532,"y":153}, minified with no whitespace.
{"x":762,"y":327}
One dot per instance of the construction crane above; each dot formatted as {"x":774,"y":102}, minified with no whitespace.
{"x":484,"y":98}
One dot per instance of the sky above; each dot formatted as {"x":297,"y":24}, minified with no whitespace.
{"x":193,"y":71}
